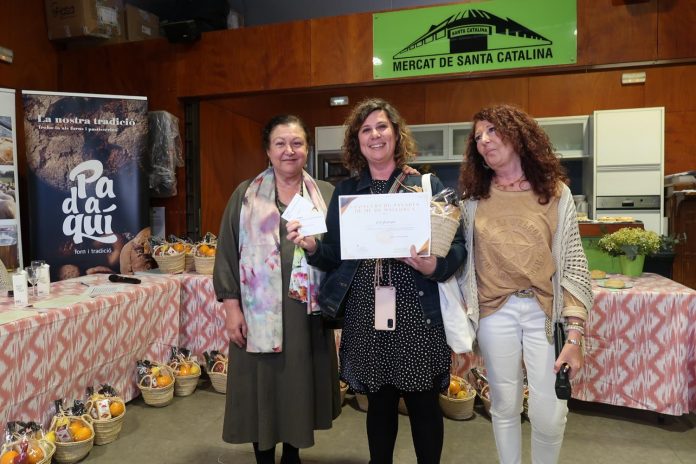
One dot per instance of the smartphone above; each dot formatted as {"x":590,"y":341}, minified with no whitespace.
{"x":385,"y":308}
{"x":563,"y":387}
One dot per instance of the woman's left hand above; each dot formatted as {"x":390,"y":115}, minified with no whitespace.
{"x":571,"y":354}
{"x":424,"y":264}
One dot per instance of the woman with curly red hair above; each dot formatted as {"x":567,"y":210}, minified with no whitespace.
{"x":525,"y":270}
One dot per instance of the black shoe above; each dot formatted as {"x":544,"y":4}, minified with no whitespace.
{"x":265,"y":456}
{"x":291,"y":455}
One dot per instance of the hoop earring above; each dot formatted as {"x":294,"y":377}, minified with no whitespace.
{"x":485,"y":166}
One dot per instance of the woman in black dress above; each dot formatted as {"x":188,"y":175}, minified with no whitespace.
{"x":412,"y":361}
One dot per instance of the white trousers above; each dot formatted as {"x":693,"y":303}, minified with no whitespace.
{"x":514,"y":331}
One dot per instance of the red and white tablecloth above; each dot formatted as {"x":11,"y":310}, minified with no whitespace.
{"x":202,"y":316}
{"x":61,"y":351}
{"x":641,"y":347}
{"x":640,"y":343}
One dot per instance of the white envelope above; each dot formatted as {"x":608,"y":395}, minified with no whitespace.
{"x":303,"y":211}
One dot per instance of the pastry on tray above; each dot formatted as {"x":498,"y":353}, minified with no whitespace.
{"x":598,"y":274}
{"x":614,"y":283}
{"x":616,"y":219}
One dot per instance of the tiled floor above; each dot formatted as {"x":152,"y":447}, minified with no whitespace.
{"x":189,"y":431}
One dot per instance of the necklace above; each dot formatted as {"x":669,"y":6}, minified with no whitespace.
{"x":281,"y":206}
{"x":512,"y":184}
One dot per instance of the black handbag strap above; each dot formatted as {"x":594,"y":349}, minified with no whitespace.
{"x":559,"y":337}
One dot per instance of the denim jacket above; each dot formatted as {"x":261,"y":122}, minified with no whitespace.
{"x":340,"y":274}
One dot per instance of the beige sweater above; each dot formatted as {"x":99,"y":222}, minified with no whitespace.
{"x":571,"y":274}
{"x":512,"y":248}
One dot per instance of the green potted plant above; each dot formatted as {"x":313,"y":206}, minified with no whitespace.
{"x":631,"y":245}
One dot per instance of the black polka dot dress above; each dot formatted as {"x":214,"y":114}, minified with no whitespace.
{"x":413,"y":357}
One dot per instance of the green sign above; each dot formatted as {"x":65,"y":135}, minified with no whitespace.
{"x":467,"y":37}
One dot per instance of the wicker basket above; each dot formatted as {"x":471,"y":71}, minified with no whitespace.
{"x":402,"y":407}
{"x":189,"y":263}
{"x":459,"y":408}
{"x":186,"y":384}
{"x":171,"y":264}
{"x":107,"y":430}
{"x":161,"y":396}
{"x":442,"y":231}
{"x":484,"y":394}
{"x":205,"y":264}
{"x":525,"y":403}
{"x":218,"y":379}
{"x":67,"y":453}
{"x":343,"y":389}
{"x":362,"y":401}
{"x":49,"y":449}
{"x":46,"y":446}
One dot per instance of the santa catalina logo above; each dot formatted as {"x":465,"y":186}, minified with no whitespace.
{"x":473,"y":37}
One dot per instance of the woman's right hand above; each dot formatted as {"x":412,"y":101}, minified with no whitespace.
{"x":235,"y":323}
{"x":308,"y":243}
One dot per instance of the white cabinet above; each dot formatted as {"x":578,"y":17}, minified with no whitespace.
{"x":629,"y":162}
{"x":441,"y":143}
{"x":432,"y":142}
{"x":459,"y":137}
{"x":569,"y":135}
{"x":632,"y":182}
{"x":629,"y":137}
{"x":329,"y":138}
{"x":446,"y":143}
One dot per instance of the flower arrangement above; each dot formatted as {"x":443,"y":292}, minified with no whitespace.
{"x":668,"y":242}
{"x":630,"y":241}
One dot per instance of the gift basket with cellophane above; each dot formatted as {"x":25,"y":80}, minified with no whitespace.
{"x":108,"y":410}
{"x":26,"y":443}
{"x":156,"y":382}
{"x":187,"y":371}
{"x":445,"y":216}
{"x":216,"y":367}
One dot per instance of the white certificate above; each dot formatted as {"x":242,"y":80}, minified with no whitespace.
{"x":384,"y":226}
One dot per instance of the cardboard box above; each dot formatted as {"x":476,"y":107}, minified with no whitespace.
{"x":120,"y":33}
{"x":140,"y":24}
{"x":67,"y":19}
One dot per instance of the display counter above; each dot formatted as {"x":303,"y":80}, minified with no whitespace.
{"x":640,"y":347}
{"x":57,"y":351}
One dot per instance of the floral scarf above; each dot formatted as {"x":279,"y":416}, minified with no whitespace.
{"x":260,"y":262}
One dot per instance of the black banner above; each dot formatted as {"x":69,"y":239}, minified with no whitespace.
{"x":86,"y":178}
